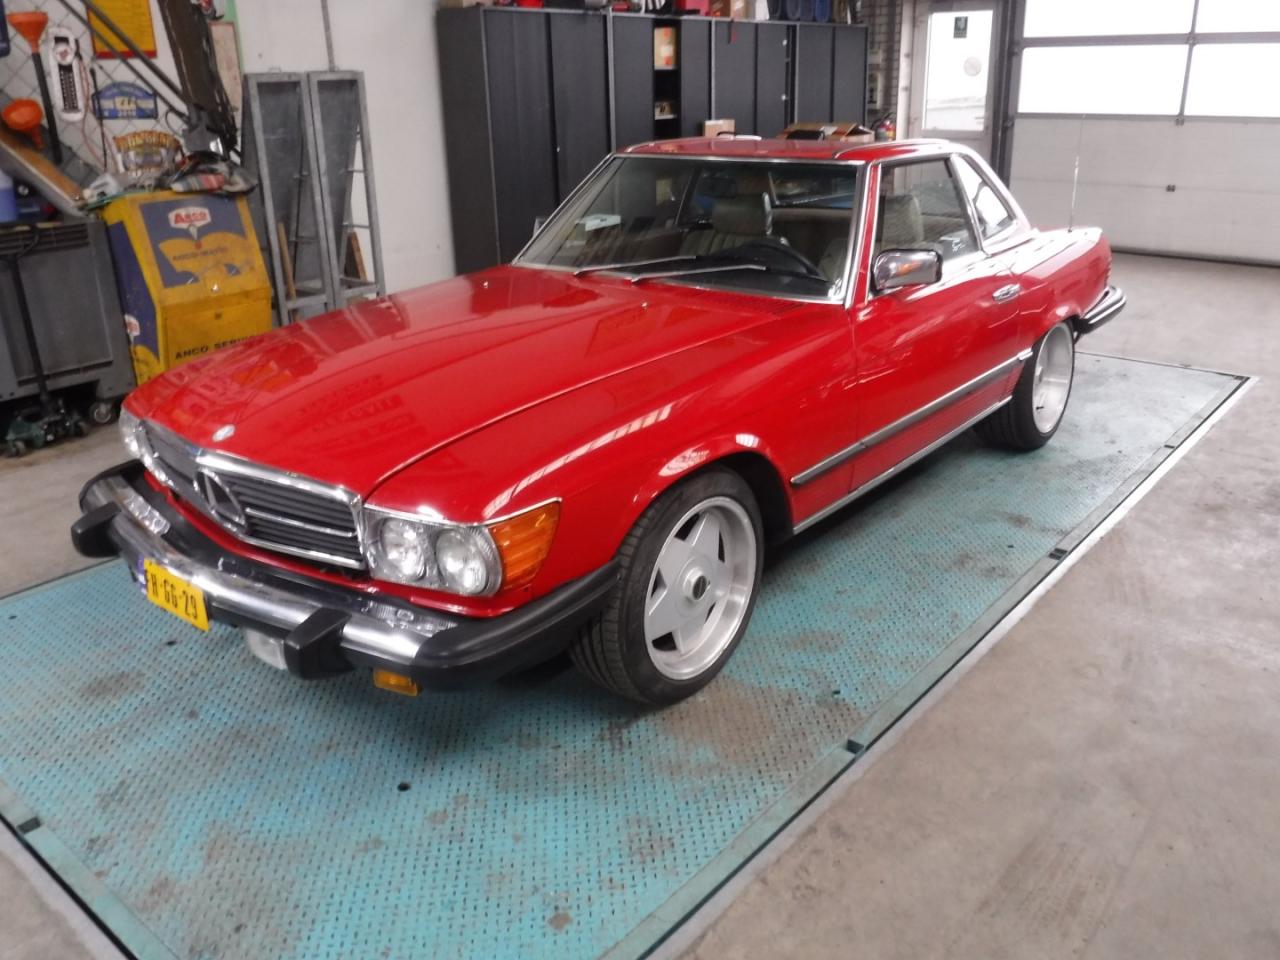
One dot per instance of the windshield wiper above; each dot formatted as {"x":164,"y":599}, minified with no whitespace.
{"x":694,"y":271}
{"x":604,"y":267}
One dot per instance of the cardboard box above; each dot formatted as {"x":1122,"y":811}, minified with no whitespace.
{"x":714,"y":128}
{"x":847,"y":132}
{"x":736,"y":9}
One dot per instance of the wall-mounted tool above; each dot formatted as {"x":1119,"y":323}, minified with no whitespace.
{"x":66,"y":73}
{"x":31,"y":25}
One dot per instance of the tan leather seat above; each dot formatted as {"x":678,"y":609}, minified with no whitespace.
{"x":734,"y":221}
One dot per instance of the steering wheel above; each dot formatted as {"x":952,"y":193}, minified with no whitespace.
{"x":770,"y":247}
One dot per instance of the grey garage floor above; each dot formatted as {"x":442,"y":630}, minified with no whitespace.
{"x":1101,"y":784}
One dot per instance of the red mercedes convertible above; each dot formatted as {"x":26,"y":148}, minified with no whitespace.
{"x":711,"y":345}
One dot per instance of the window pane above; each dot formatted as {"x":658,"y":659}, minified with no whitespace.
{"x":1237,"y":15}
{"x":1122,"y":79}
{"x":993,"y":215}
{"x":1234,"y":80}
{"x":955,"y":86}
{"x":1094,"y":18}
{"x":921,"y":209}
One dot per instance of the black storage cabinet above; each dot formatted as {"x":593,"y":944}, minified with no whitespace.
{"x":534,"y":99}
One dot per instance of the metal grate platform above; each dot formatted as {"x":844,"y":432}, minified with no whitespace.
{"x":205,"y":806}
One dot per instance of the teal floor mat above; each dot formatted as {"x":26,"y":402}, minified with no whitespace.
{"x":205,"y":806}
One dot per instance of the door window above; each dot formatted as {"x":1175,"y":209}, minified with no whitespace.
{"x":958,"y":71}
{"x":993,"y":215}
{"x":921,"y":208}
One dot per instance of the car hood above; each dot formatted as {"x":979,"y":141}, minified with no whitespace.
{"x":355,"y":395}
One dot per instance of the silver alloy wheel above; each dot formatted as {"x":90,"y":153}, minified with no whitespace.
{"x":700,"y":588}
{"x":1055,"y":365}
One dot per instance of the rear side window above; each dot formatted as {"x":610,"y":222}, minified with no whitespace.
{"x":921,"y":208}
{"x":993,"y":215}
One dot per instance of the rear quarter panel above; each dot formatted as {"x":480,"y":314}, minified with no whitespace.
{"x":1062,"y":272}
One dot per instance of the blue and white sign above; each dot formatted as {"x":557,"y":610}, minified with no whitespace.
{"x":123,"y":100}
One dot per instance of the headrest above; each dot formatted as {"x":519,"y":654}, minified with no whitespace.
{"x":749,"y":216}
{"x":902,"y":225}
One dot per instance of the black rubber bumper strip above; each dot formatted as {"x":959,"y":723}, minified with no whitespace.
{"x":478,"y":650}
{"x":91,"y":533}
{"x":312,"y":648}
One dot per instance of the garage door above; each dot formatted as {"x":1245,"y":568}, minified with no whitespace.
{"x":1169,"y":108}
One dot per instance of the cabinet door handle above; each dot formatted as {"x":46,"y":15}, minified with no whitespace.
{"x":1007,"y":293}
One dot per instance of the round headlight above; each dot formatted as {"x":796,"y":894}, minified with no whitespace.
{"x":132,"y":435}
{"x":463,"y":557}
{"x":404,"y":547}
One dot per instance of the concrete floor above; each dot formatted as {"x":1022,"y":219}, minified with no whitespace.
{"x":1101,"y":784}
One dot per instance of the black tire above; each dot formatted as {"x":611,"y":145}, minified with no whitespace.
{"x":611,"y":649}
{"x":1013,"y":426}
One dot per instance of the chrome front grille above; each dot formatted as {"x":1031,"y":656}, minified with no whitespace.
{"x":268,"y":508}
{"x":294,"y":519}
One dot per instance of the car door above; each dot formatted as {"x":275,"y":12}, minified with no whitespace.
{"x":930,"y":357}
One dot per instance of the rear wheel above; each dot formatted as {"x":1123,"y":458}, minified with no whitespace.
{"x":690,"y":573}
{"x":1039,"y":400}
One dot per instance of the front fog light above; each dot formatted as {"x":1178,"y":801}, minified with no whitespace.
{"x":404,"y":547}
{"x":464,"y":558}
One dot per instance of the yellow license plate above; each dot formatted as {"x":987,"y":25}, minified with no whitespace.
{"x":184,"y":600}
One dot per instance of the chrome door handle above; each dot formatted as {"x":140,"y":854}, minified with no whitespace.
{"x":1007,"y":293}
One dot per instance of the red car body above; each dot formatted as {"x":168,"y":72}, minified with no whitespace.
{"x":484,"y":395}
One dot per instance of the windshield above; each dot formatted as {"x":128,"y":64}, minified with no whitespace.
{"x":777,"y":228}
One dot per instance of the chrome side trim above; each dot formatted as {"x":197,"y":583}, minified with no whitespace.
{"x":897,"y":468}
{"x":910,"y":420}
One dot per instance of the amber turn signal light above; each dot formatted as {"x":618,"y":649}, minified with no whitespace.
{"x":395,"y":682}
{"x":524,"y":541}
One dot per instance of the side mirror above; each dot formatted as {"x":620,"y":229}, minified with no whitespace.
{"x":538,"y":224}
{"x":906,"y":268}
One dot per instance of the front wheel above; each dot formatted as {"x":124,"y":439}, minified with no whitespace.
{"x":690,"y":572}
{"x":1039,"y":400}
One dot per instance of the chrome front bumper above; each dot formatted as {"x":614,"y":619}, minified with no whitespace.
{"x":325,"y":629}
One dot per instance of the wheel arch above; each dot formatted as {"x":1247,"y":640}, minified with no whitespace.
{"x":750,"y":461}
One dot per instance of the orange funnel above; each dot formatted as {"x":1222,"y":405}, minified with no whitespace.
{"x":30,"y":24}
{"x":24,"y":116}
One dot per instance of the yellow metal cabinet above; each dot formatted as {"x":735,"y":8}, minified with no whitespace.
{"x":190,"y":273}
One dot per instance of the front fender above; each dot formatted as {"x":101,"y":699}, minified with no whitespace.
{"x":608,"y":448}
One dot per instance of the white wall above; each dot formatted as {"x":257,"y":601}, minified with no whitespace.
{"x":1226,"y":197}
{"x":394,"y":43}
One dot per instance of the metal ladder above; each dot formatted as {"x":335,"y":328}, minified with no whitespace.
{"x":307,"y":141}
